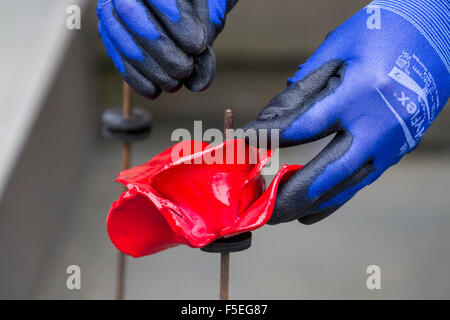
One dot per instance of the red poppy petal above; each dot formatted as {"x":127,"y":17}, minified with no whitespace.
{"x":254,"y":185}
{"x":261,"y":210}
{"x":172,"y":200}
{"x":186,"y":224}
{"x":208,"y":191}
{"x":137,"y":228}
{"x":142,"y":175}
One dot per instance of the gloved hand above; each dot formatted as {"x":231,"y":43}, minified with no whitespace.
{"x":159,"y":45}
{"x":377,"y":82}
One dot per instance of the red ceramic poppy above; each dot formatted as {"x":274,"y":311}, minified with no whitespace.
{"x":193,"y":194}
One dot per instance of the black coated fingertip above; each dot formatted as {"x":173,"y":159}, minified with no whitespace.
{"x":203,"y":73}
{"x":151,"y":70}
{"x":318,"y":216}
{"x":265,"y":133}
{"x":187,"y":31}
{"x":279,"y":215}
{"x":175,"y":89}
{"x":251,"y":133}
{"x":261,"y":135}
{"x":144,"y":88}
{"x":293,"y":200}
{"x":178,"y":66}
{"x":193,"y":39}
{"x":285,"y":209}
{"x":139,"y":83}
{"x":283,"y":104}
{"x":151,"y":94}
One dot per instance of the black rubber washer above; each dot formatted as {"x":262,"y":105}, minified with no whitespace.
{"x":116,"y":127}
{"x":140,"y":120}
{"x":124,"y":136}
{"x":237,"y":243}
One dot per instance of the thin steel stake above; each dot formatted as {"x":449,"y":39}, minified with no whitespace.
{"x":126,"y":159}
{"x":224,"y":275}
{"x":225,"y":257}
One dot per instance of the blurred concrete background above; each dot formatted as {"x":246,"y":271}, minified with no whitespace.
{"x":53,"y":210}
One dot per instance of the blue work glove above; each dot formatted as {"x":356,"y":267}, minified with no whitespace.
{"x":161,"y":45}
{"x":377,"y":82}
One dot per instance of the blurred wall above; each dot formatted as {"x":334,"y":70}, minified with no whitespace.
{"x":262,"y":45}
{"x":46,"y":175}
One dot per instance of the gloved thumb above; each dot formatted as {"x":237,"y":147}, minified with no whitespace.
{"x":304,"y":111}
{"x":204,"y":71}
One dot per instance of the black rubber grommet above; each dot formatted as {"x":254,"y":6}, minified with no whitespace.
{"x":124,"y":136}
{"x":237,"y":243}
{"x":118,"y":128}
{"x":140,"y":120}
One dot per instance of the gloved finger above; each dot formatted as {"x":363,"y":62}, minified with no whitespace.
{"x":117,"y":34}
{"x":365,"y":175}
{"x":212,"y":13}
{"x":204,"y":71}
{"x":181,"y":22}
{"x":344,"y":185}
{"x":133,"y":53}
{"x":153,"y":71}
{"x":344,"y":163}
{"x":133,"y":18}
{"x":354,"y":152}
{"x":132,"y":76}
{"x":306,"y":111}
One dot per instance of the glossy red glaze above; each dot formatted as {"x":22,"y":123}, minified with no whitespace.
{"x":183,"y":197}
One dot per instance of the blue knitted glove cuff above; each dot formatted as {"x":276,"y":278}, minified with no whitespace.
{"x":430,"y":17}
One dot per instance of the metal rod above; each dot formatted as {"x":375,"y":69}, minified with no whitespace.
{"x":228,"y":120}
{"x":225,"y":257}
{"x":224,"y":275}
{"x":120,"y":289}
{"x":126,"y":162}
{"x":126,"y":101}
